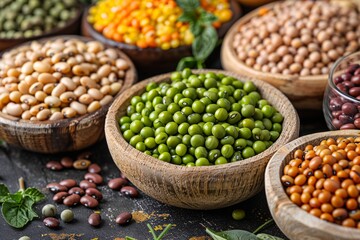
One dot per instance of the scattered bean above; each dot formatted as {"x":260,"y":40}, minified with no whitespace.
{"x":48,"y":210}
{"x":76,"y":190}
{"x":56,"y":187}
{"x":129,"y":191}
{"x":89,"y":201}
{"x":71,"y":200}
{"x":69,"y":183}
{"x":51,"y":222}
{"x":54,"y":165}
{"x":81,"y":164}
{"x":85,"y":184}
{"x":94,"y":177}
{"x":94,"y":193}
{"x":60,"y":196}
{"x":117,"y":183}
{"x":94,"y":168}
{"x":67,"y":215}
{"x":124,"y":218}
{"x":67,"y":162}
{"x":94,"y":219}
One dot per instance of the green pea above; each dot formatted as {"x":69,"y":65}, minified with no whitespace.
{"x":186,"y":139}
{"x":124,"y":127}
{"x":248,"y":123}
{"x":268,"y":111}
{"x":188,"y":158}
{"x":171,"y":92}
{"x":238,"y":214}
{"x":150,"y":142}
{"x":189,"y":93}
{"x":214,"y":154}
{"x":162,"y":148}
{"x":239,"y":94}
{"x":157,"y":123}
{"x":140,"y":146}
{"x":147,"y":132}
{"x":218,"y":131}
{"x":245,"y":133}
{"x":186,"y":73}
{"x":236,"y":157}
{"x":179,"y":117}
{"x":232,"y":131}
{"x":197,"y":140}
{"x":202,"y":162}
{"x":135,"y":139}
{"x":145,"y":112}
{"x":181,"y":149}
{"x":236,"y":107}
{"x":167,"y":101}
{"x":165,"y":156}
{"x":247,"y":100}
{"x":240,"y":144}
{"x":224,"y":103}
{"x":171,"y":128}
{"x":128,"y":134}
{"x":194,"y":118}
{"x":155,"y":155}
{"x":259,"y":124}
{"x":227,"y":151}
{"x":173,"y":108}
{"x":274,"y":135}
{"x":227,"y":140}
{"x":136,"y":126}
{"x":258,"y":115}
{"x":190,"y":164}
{"x":187,"y":111}
{"x":277,"y":118}
{"x":130,"y":110}
{"x":248,"y":152}
{"x":195,"y":129}
{"x":178,"y":97}
{"x":221,"y":114}
{"x":256,"y":132}
{"x":175,"y":159}
{"x":259,"y":146}
{"x":183,"y":128}
{"x":211,"y":95}
{"x":191,"y":150}
{"x":208,"y":117}
{"x":159,"y":130}
{"x":176,"y":76}
{"x":194,"y":82}
{"x":173,"y":141}
{"x":265,"y":135}
{"x":255,"y":95}
{"x":201,"y":152}
{"x":210,"y":83}
{"x":277,"y":127}
{"x":234,"y":117}
{"x":211,"y":142}
{"x":237,"y":84}
{"x":157,"y":100}
{"x":249,"y":87}
{"x":212,"y":108}
{"x":135,"y":100}
{"x":124,"y":119}
{"x":205,"y":101}
{"x":220,"y":160}
{"x":161,"y":138}
{"x":165,"y":117}
{"x":207,"y":128}
{"x":198,"y":106}
{"x":247,"y":111}
{"x":227,"y":80}
{"x":48,"y":210}
{"x":135,"y":116}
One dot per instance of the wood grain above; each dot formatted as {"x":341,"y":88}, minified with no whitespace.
{"x":149,"y":59}
{"x":65,"y":134}
{"x":305,"y":92}
{"x":208,"y":187}
{"x":294,"y":222}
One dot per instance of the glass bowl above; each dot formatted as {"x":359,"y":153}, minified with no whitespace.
{"x":341,"y":103}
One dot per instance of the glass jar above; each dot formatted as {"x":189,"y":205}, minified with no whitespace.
{"x":341,"y":103}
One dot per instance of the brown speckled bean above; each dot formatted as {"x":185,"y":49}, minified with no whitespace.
{"x":94,"y":168}
{"x":129,"y":191}
{"x":117,"y":183}
{"x":76,"y":190}
{"x":67,"y":162}
{"x":56,"y":187}
{"x":51,"y":222}
{"x":60,"y":196}
{"x":71,"y":200}
{"x":54,"y":165}
{"x":85,"y":184}
{"x":69,"y":183}
{"x":81,"y":164}
{"x":94,"y":193}
{"x":94,"y":177}
{"x":124,"y":218}
{"x":94,"y":219}
{"x":89,"y":201}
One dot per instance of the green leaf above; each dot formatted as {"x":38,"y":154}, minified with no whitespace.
{"x":264,"y":236}
{"x":205,"y":43}
{"x":18,"y":214}
{"x":207,"y":18}
{"x":15,"y":197}
{"x":188,"y":5}
{"x":129,"y":238}
{"x":4,"y":193}
{"x":231,"y":235}
{"x":34,"y":194}
{"x":187,"y":17}
{"x":196,"y":29}
{"x":186,"y":62}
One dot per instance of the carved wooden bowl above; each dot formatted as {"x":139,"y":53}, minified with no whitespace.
{"x":207,"y":187}
{"x":293,"y":221}
{"x":65,"y":134}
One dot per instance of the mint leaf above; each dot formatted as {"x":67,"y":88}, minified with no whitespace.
{"x":205,"y":43}
{"x":18,"y":214}
{"x":264,"y":236}
{"x":231,"y":235}
{"x":34,"y":194}
{"x":186,"y":62}
{"x":187,"y":17}
{"x":188,"y":5}
{"x":4,"y":192}
{"x":15,"y":197}
{"x":196,"y":29}
{"x":207,"y":18}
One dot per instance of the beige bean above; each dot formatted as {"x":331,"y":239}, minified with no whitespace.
{"x":95,"y":77}
{"x":105,"y":81}
{"x":28,"y":99}
{"x":79,"y":58}
{"x":34,"y":110}
{"x":57,"y":76}
{"x":95,"y":93}
{"x":80,"y":70}
{"x":78,"y":107}
{"x":57,"y":57}
{"x":56,"y":116}
{"x":26,"y":115}
{"x":111,"y":53}
{"x":36,"y":87}
{"x":13,"y":109}
{"x":104,"y":71}
{"x":76,"y":80}
{"x":86,"y":99}
{"x":4,"y":98}
{"x":27,"y":68}
{"x":11,"y":86}
{"x":30,"y":80}
{"x":3,"y":89}
{"x":43,"y":114}
{"x":13,"y":72}
{"x":89,"y":57}
{"x":94,"y":46}
{"x":80,"y":90}
{"x":69,"y":84}
{"x":7,"y":80}
{"x":52,"y":101}
{"x":15,"y":96}
{"x":48,"y":88}
{"x":105,"y":89}
{"x":45,"y":78}
{"x":25,"y":106}
{"x":68,"y":112}
{"x":95,"y":105}
{"x":55,"y":109}
{"x":106,"y":100}
{"x":88,"y":82}
{"x":40,"y":96}
{"x":71,"y":62}
{"x":42,"y":67}
{"x":115,"y":87}
{"x":35,"y":75}
{"x":67,"y":97}
{"x":121,"y":64}
{"x":33,"y":118}
{"x":70,"y":51}
{"x":58,"y":90}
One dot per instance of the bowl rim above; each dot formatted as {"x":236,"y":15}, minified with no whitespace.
{"x":332,"y":73}
{"x":79,"y":11}
{"x":279,"y":198}
{"x":112,"y":128}
{"x":128,"y":81}
{"x":262,"y":75}
{"x":236,"y":9}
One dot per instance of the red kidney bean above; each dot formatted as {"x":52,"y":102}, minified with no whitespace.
{"x":54,"y":165}
{"x":346,"y":76}
{"x":338,"y":80}
{"x":67,"y":162}
{"x":51,"y":222}
{"x":94,"y":219}
{"x":357,"y":72}
{"x":89,"y":202}
{"x":60,"y":196}
{"x":336,"y":123}
{"x":335,"y":104}
{"x":56,"y":187}
{"x":336,"y":114}
{"x":348,"y":84}
{"x":85,"y":184}
{"x":123,"y":218}
{"x":69,"y":183}
{"x":355,"y":91}
{"x":94,"y":177}
{"x":94,"y":193}
{"x":117,"y":183}
{"x":349,"y":109}
{"x":345,"y":119}
{"x":348,"y":126}
{"x":352,"y":68}
{"x":94,"y":168}
{"x":76,"y":190}
{"x":341,"y":87}
{"x":71,"y":200}
{"x":129,"y":191}
{"x":84,"y":155}
{"x":357,"y":123}
{"x":356,"y":79}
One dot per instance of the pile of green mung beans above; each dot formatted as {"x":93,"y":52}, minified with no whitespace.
{"x":201,"y":119}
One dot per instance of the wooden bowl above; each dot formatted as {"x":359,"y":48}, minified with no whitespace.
{"x":154,"y":59}
{"x":305,"y":92}
{"x":294,"y":222}
{"x":65,"y":134}
{"x":72,"y":27}
{"x":207,"y":187}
